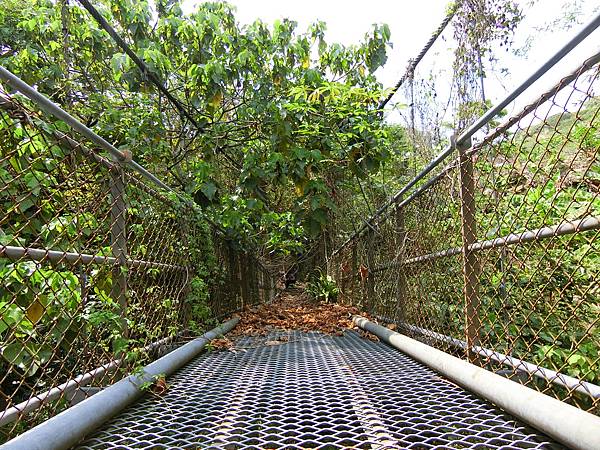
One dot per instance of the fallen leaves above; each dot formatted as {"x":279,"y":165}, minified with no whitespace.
{"x":221,"y":344}
{"x":295,"y":310}
{"x":160,"y":387}
{"x":367,"y":335}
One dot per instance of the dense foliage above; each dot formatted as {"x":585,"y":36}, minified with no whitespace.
{"x":281,"y":118}
{"x":286,"y":154}
{"x":278,"y":110}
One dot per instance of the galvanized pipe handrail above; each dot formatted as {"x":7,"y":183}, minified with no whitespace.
{"x":548,"y":375}
{"x":13,"y":413}
{"x":567,"y":424}
{"x":9,"y":105}
{"x":590,"y":62}
{"x":53,"y":109}
{"x":480,"y":123}
{"x":563,"y":229}
{"x":32,"y":404}
{"x":66,"y":429}
{"x":42,"y":254}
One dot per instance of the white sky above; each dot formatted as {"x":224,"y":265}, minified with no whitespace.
{"x":411,"y":24}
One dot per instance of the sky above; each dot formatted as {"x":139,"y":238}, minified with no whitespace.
{"x":412,"y":23}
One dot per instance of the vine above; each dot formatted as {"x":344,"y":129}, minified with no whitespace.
{"x":478,"y":26}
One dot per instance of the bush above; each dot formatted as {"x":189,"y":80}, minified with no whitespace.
{"x":323,"y":288}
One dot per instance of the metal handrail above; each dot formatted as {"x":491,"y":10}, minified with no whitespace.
{"x":53,"y":109}
{"x":548,"y":375}
{"x":567,"y":424}
{"x":480,"y":123}
{"x":58,"y":256}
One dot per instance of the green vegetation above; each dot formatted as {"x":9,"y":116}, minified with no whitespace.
{"x":283,"y":119}
{"x":323,"y":288}
{"x":289,"y":156}
{"x":548,"y":292}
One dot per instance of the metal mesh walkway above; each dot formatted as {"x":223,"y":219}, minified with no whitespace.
{"x":308,"y":390}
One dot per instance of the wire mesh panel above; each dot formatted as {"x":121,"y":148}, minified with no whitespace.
{"x":100,"y":269}
{"x":495,"y":256}
{"x":307,"y":390}
{"x":538,"y":210}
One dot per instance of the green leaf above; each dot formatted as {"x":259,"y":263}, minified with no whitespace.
{"x":14,"y":353}
{"x":575,"y":359}
{"x":209,"y":189}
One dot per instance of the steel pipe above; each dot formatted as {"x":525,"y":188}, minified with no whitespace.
{"x":571,"y":426}
{"x":66,"y":429}
{"x":53,"y":109}
{"x":563,"y":229}
{"x":13,"y":413}
{"x":482,"y":121}
{"x":40,"y":254}
{"x":548,"y":375}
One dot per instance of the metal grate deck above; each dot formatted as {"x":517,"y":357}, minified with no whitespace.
{"x":315,"y":391}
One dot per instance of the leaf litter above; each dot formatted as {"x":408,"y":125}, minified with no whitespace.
{"x":292,"y":310}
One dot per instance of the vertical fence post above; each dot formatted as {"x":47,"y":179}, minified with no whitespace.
{"x":470,"y":261}
{"x":260,"y":284}
{"x":118,"y":240}
{"x":354,"y":276}
{"x":234,"y":280}
{"x":370,"y":276}
{"x":253,"y":280}
{"x":401,"y":291}
{"x":243,"y":259}
{"x":185,"y":232}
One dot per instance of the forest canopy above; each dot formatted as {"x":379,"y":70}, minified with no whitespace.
{"x":281,"y":117}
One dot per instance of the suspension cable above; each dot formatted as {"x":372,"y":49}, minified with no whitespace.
{"x":412,"y":65}
{"x":480,"y":123}
{"x":138,"y":62}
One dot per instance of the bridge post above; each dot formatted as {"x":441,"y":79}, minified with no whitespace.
{"x":354,"y":272}
{"x":401,"y":291}
{"x":471,"y":267}
{"x":245,"y":282}
{"x":370,"y":282}
{"x":252,"y":279}
{"x":118,"y":241}
{"x":234,"y":288}
{"x":184,"y":234}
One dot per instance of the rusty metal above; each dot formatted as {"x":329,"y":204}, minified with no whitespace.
{"x":118,"y":238}
{"x":96,"y":262}
{"x":469,"y":237}
{"x":401,"y":288}
{"x":308,"y":390}
{"x":533,"y":229}
{"x":484,"y":120}
{"x":568,"y":425}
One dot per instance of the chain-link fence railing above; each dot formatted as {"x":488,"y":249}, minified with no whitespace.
{"x":101,"y":269}
{"x":495,"y":257}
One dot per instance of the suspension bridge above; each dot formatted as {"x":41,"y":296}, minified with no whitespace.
{"x":470,"y":302}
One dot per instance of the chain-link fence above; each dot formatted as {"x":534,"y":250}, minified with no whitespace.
{"x":495,"y":257}
{"x":101,"y":269}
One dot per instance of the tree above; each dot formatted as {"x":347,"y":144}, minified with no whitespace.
{"x":280,"y":110}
